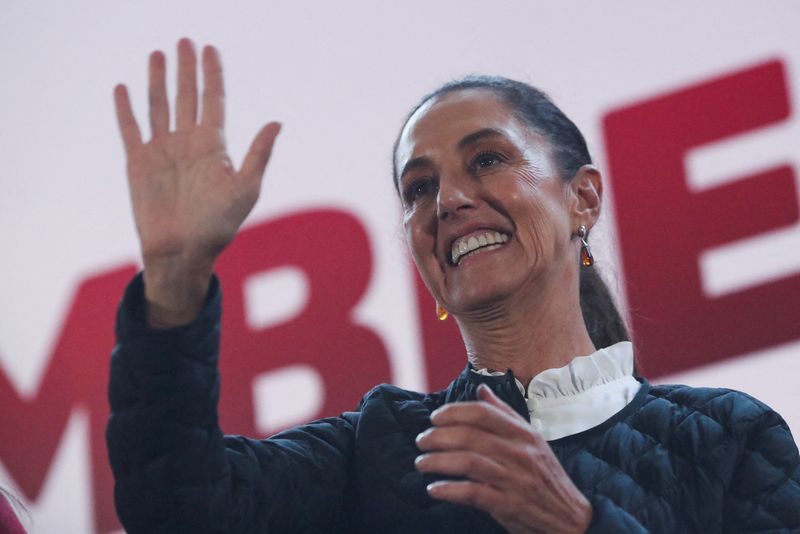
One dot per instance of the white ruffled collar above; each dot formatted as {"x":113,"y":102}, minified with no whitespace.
{"x":582,"y":394}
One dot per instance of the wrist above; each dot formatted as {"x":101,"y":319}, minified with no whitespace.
{"x":175,"y":289}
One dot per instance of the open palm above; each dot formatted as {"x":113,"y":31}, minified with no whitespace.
{"x":188,"y":198}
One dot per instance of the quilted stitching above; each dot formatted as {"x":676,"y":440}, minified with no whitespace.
{"x":724,"y":421}
{"x":677,"y":459}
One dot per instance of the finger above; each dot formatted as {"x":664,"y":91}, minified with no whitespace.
{"x":186,"y":103}
{"x":482,"y":415}
{"x":468,"y":438}
{"x":131,"y":136}
{"x":213,"y":89}
{"x":260,"y":151}
{"x":475,"y":494}
{"x":473,"y":466}
{"x":486,"y":394}
{"x":516,"y":511}
{"x":159,"y":108}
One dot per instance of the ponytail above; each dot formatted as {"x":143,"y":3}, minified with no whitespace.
{"x":600,"y":313}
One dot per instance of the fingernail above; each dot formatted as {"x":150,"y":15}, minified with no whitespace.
{"x":484,"y":390}
{"x":422,"y":435}
{"x":435,"y":413}
{"x":419,"y":459}
{"x":432,"y":487}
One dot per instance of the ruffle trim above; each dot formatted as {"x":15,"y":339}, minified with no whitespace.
{"x":582,"y":394}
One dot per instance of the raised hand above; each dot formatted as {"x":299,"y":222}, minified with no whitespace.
{"x":188,"y":198}
{"x":506,"y":468}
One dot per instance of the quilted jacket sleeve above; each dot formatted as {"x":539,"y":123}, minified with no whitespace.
{"x":764,"y":495}
{"x":608,"y":517}
{"x":176,"y":472}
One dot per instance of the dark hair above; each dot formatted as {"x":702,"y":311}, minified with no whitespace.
{"x":535,"y":109}
{"x":531,"y":106}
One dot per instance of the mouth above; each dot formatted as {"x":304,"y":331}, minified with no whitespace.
{"x":475,"y":243}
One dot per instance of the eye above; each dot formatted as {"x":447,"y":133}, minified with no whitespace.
{"x":484,"y":160}
{"x":419,"y":188}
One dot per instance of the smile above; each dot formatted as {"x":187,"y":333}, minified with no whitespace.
{"x":475,"y":244}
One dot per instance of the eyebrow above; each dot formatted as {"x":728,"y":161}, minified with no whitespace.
{"x":467,"y":140}
{"x":480,"y":135}
{"x":416,"y":163}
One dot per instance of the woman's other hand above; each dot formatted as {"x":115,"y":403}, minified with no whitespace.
{"x":188,"y":198}
{"x":508,"y":469}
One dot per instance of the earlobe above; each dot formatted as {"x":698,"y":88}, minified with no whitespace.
{"x":587,"y":187}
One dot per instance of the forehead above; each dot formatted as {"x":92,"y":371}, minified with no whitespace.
{"x":442,"y":121}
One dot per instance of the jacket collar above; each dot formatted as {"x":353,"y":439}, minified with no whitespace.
{"x":465,"y":386}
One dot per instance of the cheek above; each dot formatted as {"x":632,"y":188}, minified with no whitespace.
{"x":427,"y":265}
{"x":539,"y":209}
{"x":421,"y":243}
{"x":535,"y":233}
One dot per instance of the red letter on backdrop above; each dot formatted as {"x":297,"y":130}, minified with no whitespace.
{"x":76,"y":377}
{"x":663,"y":227}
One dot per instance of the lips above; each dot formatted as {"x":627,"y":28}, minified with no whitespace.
{"x":475,"y":243}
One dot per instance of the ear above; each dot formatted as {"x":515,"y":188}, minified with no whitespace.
{"x":586,"y":188}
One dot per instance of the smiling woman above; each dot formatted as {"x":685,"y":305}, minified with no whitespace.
{"x":488,"y":171}
{"x":517,"y":164}
{"x":548,"y":428}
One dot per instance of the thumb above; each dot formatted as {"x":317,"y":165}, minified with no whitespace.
{"x":260,"y":150}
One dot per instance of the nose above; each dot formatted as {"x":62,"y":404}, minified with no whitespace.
{"x":457,"y":193}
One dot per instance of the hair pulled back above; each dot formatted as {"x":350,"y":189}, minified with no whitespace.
{"x":533,"y":107}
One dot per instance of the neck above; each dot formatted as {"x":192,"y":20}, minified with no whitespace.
{"x":528,"y":333}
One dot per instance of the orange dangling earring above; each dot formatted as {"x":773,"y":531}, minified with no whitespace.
{"x":587,"y":260}
{"x":441,"y":313}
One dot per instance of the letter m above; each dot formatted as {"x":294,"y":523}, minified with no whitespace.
{"x":75,"y":377}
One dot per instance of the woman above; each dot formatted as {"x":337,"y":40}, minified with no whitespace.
{"x":499,"y":196}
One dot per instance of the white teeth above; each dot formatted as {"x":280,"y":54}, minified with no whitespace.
{"x":475,"y":243}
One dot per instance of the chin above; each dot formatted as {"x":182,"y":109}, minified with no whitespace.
{"x":483,"y":297}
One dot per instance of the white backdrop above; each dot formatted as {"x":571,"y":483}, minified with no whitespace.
{"x":340,"y":76}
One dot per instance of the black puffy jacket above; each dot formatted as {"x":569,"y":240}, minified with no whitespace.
{"x":676,"y":459}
